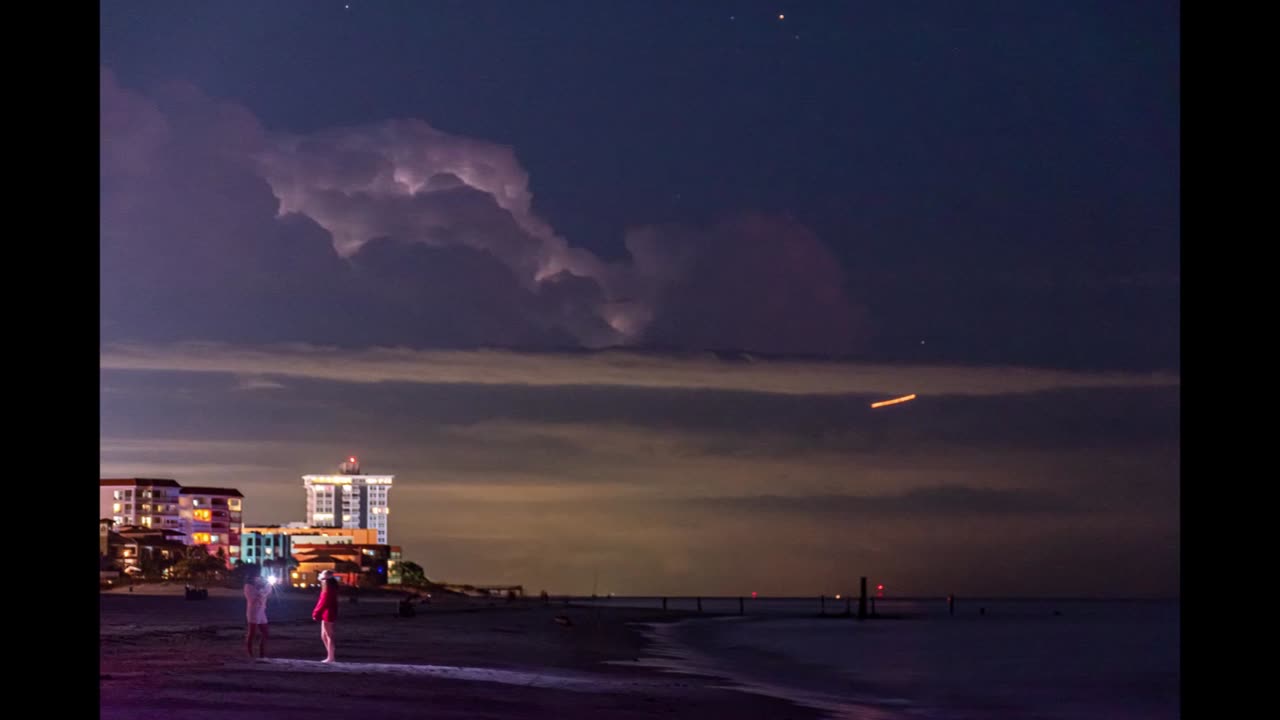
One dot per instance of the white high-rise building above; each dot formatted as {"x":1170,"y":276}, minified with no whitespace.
{"x":349,"y":499}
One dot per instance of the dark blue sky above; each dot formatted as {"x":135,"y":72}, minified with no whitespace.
{"x":999,"y":179}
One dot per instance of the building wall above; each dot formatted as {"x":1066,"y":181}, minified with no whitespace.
{"x":325,"y":534}
{"x":154,"y":506}
{"x":394,"y":571}
{"x":346,"y":501}
{"x":255,"y":547}
{"x":213,"y":520}
{"x":374,"y":560}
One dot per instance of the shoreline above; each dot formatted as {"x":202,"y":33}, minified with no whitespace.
{"x":461,"y":659}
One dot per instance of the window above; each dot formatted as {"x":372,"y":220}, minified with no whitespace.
{"x":200,"y":538}
{"x":115,"y":507}
{"x":117,"y":495}
{"x":195,"y":502}
{"x":203,"y":515}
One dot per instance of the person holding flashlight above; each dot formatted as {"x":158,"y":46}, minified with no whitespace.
{"x":256,"y":593}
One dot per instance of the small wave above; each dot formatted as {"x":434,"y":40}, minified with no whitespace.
{"x":667,"y":654}
{"x":575,"y":682}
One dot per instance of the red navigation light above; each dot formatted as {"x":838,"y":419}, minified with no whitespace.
{"x":753,"y":594}
{"x":351,"y":459}
{"x":880,"y":587}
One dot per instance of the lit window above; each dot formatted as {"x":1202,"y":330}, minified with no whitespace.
{"x":117,"y":495}
{"x":196,"y":502}
{"x":200,"y":538}
{"x":202,"y":515}
{"x":115,"y":507}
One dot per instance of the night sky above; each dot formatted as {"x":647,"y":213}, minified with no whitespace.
{"x":609,"y":286}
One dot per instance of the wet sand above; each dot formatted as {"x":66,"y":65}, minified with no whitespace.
{"x":162,"y":655}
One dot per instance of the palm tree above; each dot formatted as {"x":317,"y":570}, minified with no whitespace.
{"x":411,"y":573}
{"x":197,"y":564}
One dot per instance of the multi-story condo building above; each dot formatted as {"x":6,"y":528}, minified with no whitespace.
{"x":144,"y":502}
{"x":349,"y":499}
{"x":212,"y":517}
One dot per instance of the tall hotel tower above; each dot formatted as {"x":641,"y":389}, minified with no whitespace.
{"x":349,"y":499}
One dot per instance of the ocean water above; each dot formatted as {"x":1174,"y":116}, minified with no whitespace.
{"x":1051,"y":660}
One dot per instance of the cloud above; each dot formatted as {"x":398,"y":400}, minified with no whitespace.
{"x":935,"y":500}
{"x":766,"y":490}
{"x":396,"y":233}
{"x":255,"y":383}
{"x":614,"y":368}
{"x":751,"y":283}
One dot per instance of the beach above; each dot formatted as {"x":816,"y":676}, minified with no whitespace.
{"x":458,"y":658}
{"x":628,"y":658}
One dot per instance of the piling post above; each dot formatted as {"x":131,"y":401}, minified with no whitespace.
{"x":741,"y":607}
{"x":862,"y":598}
{"x":699,"y":604}
{"x":664,"y":604}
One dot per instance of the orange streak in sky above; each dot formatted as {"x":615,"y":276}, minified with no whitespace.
{"x":894,"y":401}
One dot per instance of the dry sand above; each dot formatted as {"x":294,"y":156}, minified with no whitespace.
{"x":163,"y":656}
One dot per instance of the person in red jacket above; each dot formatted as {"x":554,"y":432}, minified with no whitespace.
{"x":327,"y":610}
